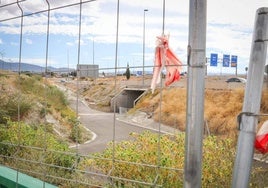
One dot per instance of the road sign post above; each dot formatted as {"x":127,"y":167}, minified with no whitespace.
{"x":214,"y":60}
{"x":234,"y":63}
{"x":226,"y":60}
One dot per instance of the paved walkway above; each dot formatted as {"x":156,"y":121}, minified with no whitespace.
{"x":106,"y":127}
{"x":141,"y":119}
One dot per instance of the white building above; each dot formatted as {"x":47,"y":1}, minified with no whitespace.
{"x":88,"y":70}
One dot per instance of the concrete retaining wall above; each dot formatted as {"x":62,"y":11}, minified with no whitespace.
{"x":125,"y":99}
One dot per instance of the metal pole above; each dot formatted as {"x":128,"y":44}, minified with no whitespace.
{"x":164,"y":16}
{"x":145,"y":10}
{"x":267,"y":80}
{"x":68,"y":65}
{"x":195,"y":93}
{"x":266,"y":71}
{"x":93,"y":61}
{"x":251,"y":107}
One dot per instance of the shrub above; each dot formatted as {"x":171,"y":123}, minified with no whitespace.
{"x":38,"y":150}
{"x":79,"y":134}
{"x":76,"y":133}
{"x":35,"y":87}
{"x":56,"y":97}
{"x":14,"y":105}
{"x":167,"y":155}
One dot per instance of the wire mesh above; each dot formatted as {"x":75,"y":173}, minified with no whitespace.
{"x":62,"y":166}
{"x":74,"y":165}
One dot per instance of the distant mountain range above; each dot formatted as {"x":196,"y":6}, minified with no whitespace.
{"x":14,"y":66}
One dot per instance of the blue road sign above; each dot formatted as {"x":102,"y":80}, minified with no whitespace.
{"x":226,"y":60}
{"x":233,"y":61}
{"x":214,"y":60}
{"x":139,"y":73}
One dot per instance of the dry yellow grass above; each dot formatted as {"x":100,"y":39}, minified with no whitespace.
{"x":223,"y":102}
{"x":221,"y":108}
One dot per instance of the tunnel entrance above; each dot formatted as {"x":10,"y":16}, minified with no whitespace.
{"x":126,"y":99}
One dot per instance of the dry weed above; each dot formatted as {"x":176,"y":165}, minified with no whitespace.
{"x":221,"y":108}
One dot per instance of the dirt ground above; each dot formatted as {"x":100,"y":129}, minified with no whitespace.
{"x":211,"y":82}
{"x":99,"y":92}
{"x":106,"y":84}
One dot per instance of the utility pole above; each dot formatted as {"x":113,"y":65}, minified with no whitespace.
{"x":251,"y":107}
{"x":195,"y":93}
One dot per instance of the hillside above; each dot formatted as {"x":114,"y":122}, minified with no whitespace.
{"x":223,"y":101}
{"x":40,"y":100}
{"x":26,"y":67}
{"x":39,"y":104}
{"x":221,"y":108}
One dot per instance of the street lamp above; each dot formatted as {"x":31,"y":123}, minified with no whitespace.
{"x":145,"y":10}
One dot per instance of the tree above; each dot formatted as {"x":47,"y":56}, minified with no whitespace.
{"x":73,"y":73}
{"x":127,"y":72}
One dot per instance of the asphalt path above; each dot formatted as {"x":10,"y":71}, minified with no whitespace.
{"x":104,"y":126}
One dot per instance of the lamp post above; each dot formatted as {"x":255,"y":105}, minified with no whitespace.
{"x":93,"y":59}
{"x":145,"y":10}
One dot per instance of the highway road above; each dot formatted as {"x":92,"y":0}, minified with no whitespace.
{"x":104,"y":125}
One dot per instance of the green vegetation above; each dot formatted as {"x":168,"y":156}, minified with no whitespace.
{"x":150,"y":157}
{"x":127,"y":72}
{"x":34,"y":149}
{"x":30,"y":97}
{"x":147,"y":157}
{"x":27,"y":141}
{"x":36,"y":87}
{"x":221,"y":109}
{"x":9,"y":106}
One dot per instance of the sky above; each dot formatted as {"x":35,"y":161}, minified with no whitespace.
{"x":229,"y":31}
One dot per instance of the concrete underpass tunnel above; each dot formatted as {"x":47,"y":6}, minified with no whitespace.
{"x":126,"y":99}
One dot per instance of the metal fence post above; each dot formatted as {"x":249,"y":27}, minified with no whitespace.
{"x":252,"y":99}
{"x":195,"y":93}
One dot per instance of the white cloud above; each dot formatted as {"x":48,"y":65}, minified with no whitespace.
{"x":38,"y":61}
{"x":230,"y":26}
{"x":82,"y":42}
{"x":35,"y":61}
{"x":1,"y":42}
{"x":229,"y":29}
{"x":28,"y":41}
{"x":14,"y":44}
{"x":69,"y":43}
{"x":234,"y":12}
